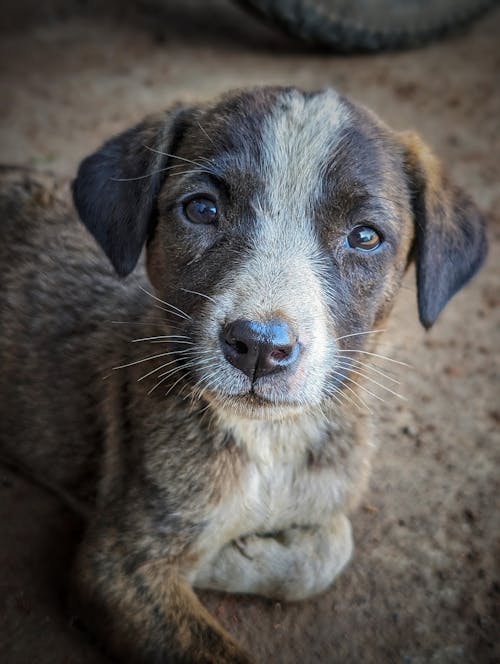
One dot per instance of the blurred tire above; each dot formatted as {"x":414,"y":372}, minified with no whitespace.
{"x":368,"y":25}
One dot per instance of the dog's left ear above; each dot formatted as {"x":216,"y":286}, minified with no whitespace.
{"x":450,"y":241}
{"x":116,"y":188}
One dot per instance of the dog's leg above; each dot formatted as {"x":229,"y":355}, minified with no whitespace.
{"x":291,"y":565}
{"x":142,"y":610}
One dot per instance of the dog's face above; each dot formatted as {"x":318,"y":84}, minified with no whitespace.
{"x":281,"y":224}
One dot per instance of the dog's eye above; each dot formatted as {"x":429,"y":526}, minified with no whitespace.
{"x":201,"y":211}
{"x":365,"y":238}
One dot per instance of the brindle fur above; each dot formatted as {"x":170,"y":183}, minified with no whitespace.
{"x":199,"y":482}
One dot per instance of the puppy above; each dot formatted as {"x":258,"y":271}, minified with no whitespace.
{"x":230,"y":438}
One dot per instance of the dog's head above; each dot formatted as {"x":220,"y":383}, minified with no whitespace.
{"x":281,"y":223}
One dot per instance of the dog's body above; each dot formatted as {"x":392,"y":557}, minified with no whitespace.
{"x":228,"y":454}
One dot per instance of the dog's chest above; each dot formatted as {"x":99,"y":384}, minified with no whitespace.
{"x":277,"y":487}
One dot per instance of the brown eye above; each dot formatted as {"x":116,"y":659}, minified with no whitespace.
{"x":365,"y":238}
{"x":201,"y":211}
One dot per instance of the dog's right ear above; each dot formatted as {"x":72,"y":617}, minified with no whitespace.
{"x":116,"y":188}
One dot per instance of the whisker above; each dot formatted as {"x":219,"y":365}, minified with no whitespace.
{"x":166,"y":375}
{"x":201,"y":411}
{"x":213,"y":380}
{"x":193,"y":170}
{"x":172,"y":308}
{"x":150,"y":373}
{"x":210,"y":299}
{"x":195,"y":351}
{"x":151,"y":357}
{"x":208,"y":161}
{"x":166,"y":341}
{"x":207,"y":364}
{"x":358,"y":334}
{"x":208,"y":375}
{"x":334,"y":394}
{"x":168,"y":311}
{"x":131,"y":322}
{"x":189,"y":365}
{"x":173,"y":341}
{"x":183,"y":367}
{"x":372,"y":380}
{"x":382,"y":357}
{"x":142,"y":177}
{"x":181,"y":313}
{"x":162,"y":336}
{"x":176,"y":382}
{"x":204,"y":131}
{"x":370,"y":367}
{"x":173,"y":156}
{"x":362,"y":387}
{"x":347,"y":387}
{"x":195,"y":393}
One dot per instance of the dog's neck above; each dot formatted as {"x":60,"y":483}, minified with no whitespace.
{"x":288,"y":440}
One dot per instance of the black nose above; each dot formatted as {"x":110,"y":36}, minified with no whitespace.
{"x":259,"y":349}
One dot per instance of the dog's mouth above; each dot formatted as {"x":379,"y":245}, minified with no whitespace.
{"x":274,"y":397}
{"x":256,"y":400}
{"x":253,"y":406}
{"x":263,"y":398}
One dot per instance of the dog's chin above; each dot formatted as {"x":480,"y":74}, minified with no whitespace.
{"x":253,"y":406}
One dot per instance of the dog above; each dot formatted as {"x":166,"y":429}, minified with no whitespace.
{"x":206,"y":398}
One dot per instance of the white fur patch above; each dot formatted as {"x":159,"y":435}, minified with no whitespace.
{"x":298,"y":140}
{"x":282,"y":273}
{"x":277,"y":489}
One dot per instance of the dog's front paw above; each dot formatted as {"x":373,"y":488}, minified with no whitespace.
{"x":290,"y":565}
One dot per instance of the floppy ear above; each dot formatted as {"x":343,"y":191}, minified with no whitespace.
{"x":116,"y":188}
{"x":450,"y":241}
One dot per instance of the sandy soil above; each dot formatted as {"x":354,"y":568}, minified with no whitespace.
{"x":424,"y":585}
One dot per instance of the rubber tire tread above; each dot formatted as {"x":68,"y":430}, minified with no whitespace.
{"x":312,"y":22}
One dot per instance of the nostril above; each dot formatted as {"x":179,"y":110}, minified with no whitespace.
{"x":239,"y":346}
{"x":280,"y":353}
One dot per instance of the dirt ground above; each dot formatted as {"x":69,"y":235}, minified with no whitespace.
{"x":424,"y":584}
